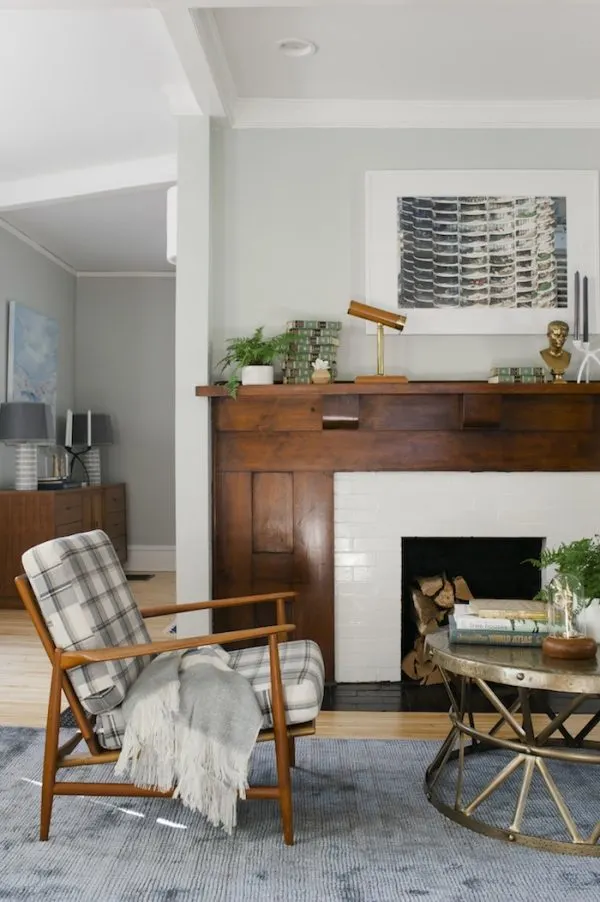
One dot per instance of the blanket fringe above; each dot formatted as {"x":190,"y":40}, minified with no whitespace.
{"x":150,"y":742}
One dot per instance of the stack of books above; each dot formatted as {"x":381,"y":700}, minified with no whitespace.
{"x":518,"y":374}
{"x":499,"y":621}
{"x":313,"y":339}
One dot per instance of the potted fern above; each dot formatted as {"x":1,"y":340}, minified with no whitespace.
{"x":581,"y":559}
{"x":252,"y":358}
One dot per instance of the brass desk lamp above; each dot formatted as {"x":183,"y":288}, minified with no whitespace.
{"x":382,"y":318}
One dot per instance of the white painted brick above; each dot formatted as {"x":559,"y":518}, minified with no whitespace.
{"x":354,"y":516}
{"x":385,"y":542}
{"x":374,"y":511}
{"x":354,"y":559}
{"x":344,"y":544}
{"x":349,"y":530}
{"x":356,"y":502}
{"x":344,"y":574}
{"x":364,"y":574}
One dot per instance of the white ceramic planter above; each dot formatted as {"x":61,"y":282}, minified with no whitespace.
{"x":589,"y":619}
{"x":257,"y":375}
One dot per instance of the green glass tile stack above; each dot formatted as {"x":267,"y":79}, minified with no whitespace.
{"x":517,"y":374}
{"x":314,"y":338}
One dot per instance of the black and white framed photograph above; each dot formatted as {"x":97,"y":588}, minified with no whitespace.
{"x":480,"y":252}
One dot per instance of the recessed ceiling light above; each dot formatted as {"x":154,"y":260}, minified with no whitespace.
{"x":296,"y":47}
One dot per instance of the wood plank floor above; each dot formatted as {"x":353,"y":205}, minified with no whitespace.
{"x":25,"y":680}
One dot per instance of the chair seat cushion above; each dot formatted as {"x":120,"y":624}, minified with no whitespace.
{"x":302,"y":674}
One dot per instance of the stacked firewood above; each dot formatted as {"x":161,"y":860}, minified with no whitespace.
{"x":433,"y":599}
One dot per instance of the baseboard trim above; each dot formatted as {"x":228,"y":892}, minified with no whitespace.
{"x":143,"y":558}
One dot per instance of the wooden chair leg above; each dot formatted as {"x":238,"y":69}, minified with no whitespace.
{"x":292,"y":750}
{"x":51,"y":747}
{"x":284,"y":780}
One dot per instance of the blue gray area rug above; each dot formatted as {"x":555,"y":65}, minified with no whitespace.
{"x":364,"y":833}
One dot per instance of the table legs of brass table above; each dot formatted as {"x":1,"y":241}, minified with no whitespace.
{"x":530,"y":751}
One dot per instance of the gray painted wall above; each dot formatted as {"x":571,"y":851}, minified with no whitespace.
{"x":32,"y":279}
{"x":125,"y":366}
{"x":288,"y":232}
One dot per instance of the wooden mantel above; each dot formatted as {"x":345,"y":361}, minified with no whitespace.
{"x":400,"y":388}
{"x":276,"y":449}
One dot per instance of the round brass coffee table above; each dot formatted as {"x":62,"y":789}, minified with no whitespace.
{"x":459,"y":781}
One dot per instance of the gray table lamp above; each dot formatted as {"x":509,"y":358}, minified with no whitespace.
{"x":26,"y":424}
{"x":88,"y":431}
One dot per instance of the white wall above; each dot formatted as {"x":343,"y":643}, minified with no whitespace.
{"x":125,"y":366}
{"x":288,"y":232}
{"x":31,"y":278}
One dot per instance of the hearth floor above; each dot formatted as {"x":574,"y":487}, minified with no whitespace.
{"x":409,"y":696}
{"x":384,"y":697}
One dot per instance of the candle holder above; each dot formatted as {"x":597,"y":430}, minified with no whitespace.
{"x":78,"y":456}
{"x":86,"y":432}
{"x":589,"y":355}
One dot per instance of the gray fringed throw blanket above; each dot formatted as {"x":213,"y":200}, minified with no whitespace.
{"x":192,"y":723}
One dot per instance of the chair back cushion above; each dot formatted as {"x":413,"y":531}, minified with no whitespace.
{"x":85,"y":601}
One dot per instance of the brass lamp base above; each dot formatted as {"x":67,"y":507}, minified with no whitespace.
{"x":577,"y":648}
{"x":381,"y":378}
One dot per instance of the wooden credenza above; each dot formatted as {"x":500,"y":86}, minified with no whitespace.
{"x":28,"y":518}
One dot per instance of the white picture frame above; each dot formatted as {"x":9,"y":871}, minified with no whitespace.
{"x":384,"y":188}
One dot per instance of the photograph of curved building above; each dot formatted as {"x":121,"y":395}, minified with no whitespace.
{"x":482,"y":251}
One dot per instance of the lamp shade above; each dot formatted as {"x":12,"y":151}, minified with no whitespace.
{"x":172,"y":225}
{"x":102,"y":433}
{"x":26,"y":421}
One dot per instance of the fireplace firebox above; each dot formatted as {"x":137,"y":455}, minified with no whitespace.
{"x":492,"y":567}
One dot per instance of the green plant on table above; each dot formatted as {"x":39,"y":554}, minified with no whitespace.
{"x":580,"y":558}
{"x":253,"y":350}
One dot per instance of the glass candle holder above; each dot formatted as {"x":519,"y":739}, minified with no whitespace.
{"x":566,"y":600}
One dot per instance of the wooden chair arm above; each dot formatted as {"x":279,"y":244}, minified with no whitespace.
{"x":69,"y":659}
{"x":217,"y":603}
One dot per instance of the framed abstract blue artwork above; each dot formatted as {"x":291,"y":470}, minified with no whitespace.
{"x":32,"y":356}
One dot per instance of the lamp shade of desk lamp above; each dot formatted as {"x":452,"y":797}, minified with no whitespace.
{"x":382,"y":318}
{"x":89,"y":432}
{"x":26,"y":425}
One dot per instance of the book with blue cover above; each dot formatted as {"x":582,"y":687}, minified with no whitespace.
{"x":496,"y":636}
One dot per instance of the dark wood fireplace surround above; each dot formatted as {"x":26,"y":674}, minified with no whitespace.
{"x":276,"y":448}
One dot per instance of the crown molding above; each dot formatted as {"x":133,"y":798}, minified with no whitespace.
{"x":21,"y":236}
{"x":126,"y":275}
{"x":312,"y":113}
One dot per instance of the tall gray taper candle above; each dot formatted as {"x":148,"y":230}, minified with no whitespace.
{"x":586,"y":330}
{"x":577,"y":304}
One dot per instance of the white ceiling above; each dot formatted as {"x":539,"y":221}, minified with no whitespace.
{"x":112,"y":232}
{"x":427,"y":50}
{"x":83,"y":88}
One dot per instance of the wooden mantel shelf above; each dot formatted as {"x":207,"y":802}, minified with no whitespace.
{"x":407,"y":388}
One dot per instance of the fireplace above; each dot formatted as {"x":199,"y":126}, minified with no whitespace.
{"x":493,"y":567}
{"x":378,"y":516}
{"x":315,"y":487}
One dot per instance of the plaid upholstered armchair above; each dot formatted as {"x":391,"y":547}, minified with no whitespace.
{"x":95,"y":636}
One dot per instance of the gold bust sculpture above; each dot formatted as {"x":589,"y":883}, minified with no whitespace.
{"x":555,"y":357}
